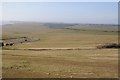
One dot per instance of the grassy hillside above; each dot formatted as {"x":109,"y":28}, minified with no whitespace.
{"x":90,"y":63}
{"x":60,"y":64}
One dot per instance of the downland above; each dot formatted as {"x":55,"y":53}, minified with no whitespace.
{"x":59,"y":51}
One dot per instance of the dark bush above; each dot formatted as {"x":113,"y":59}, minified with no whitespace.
{"x":109,"y":45}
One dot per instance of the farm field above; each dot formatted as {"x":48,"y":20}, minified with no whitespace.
{"x":56,"y":57}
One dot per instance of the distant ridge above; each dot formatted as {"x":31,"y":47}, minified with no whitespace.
{"x":6,"y":22}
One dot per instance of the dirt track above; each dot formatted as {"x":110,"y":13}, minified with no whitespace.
{"x":40,"y":49}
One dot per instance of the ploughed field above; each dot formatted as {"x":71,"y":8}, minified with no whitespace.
{"x":66,"y":51}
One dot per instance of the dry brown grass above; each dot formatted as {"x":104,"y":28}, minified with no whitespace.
{"x":60,"y":63}
{"x":64,"y":63}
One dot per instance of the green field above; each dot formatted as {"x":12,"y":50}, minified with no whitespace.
{"x":87,"y":63}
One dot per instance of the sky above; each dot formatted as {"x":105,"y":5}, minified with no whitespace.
{"x":61,"y":12}
{"x":59,"y":0}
